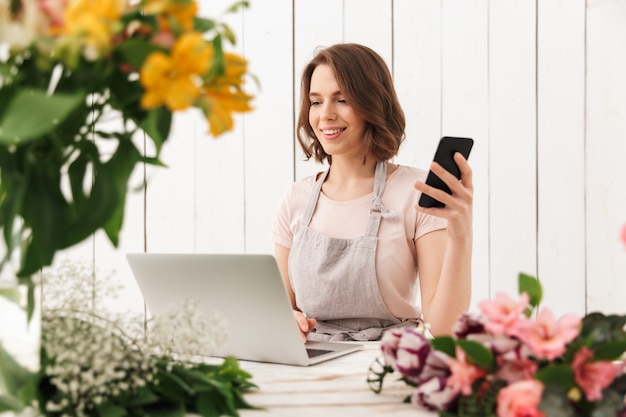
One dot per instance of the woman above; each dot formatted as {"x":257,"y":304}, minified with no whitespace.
{"x":351,"y":242}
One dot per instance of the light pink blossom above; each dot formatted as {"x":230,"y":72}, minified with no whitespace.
{"x":520,"y":399}
{"x":592,"y":377}
{"x":503,"y":313}
{"x":516,"y":365}
{"x":623,"y":235}
{"x":463,"y":373}
{"x":546,"y":337}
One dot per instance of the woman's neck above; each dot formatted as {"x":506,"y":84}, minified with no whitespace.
{"x":349,"y":178}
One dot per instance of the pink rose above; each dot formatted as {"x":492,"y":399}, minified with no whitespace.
{"x":520,"y":399}
{"x":592,"y":377}
{"x":547,"y":337}
{"x":502,"y":313}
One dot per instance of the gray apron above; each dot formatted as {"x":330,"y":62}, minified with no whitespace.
{"x":334,"y":279}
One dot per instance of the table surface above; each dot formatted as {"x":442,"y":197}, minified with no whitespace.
{"x":337,"y":387}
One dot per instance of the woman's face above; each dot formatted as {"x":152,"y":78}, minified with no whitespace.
{"x":338,"y":127}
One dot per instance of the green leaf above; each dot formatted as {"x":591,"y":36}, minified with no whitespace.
{"x":11,"y":294}
{"x":13,"y":378}
{"x":203,"y":25}
{"x":610,"y":351}
{"x":445,"y":344}
{"x":236,"y":6}
{"x":157,"y":126}
{"x":560,"y":375}
{"x":531,"y":286}
{"x":32,"y":113}
{"x":119,"y":168}
{"x":44,"y":212}
{"x":108,"y":409}
{"x":135,"y":51}
{"x":477,"y":354}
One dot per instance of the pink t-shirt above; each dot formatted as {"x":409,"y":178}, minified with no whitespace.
{"x":396,"y":259}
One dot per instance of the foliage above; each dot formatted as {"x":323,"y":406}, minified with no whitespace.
{"x":513,"y":359}
{"x":83,"y":83}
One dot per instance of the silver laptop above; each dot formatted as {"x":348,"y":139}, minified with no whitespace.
{"x":248,"y":293}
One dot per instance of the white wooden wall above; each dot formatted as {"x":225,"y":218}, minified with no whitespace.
{"x":540,"y":86}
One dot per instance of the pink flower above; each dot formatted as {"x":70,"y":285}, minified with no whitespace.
{"x":516,"y":365}
{"x":389,"y":346}
{"x":503,"y":314}
{"x":468,"y":324}
{"x":434,"y":394}
{"x":520,"y":399}
{"x":406,"y":351}
{"x":546,"y":337}
{"x":623,"y":235}
{"x":463,"y":373}
{"x":592,"y":377}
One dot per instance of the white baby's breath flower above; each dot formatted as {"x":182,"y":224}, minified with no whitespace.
{"x":95,"y":355}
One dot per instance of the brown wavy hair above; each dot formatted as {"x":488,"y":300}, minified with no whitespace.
{"x":365,"y":81}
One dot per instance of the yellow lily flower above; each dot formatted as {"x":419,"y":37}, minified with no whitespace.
{"x":182,"y":12}
{"x":175,"y":80}
{"x":91,"y":21}
{"x":218,"y":106}
{"x":224,"y":95}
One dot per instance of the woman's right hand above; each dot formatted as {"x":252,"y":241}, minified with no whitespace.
{"x":305,"y":324}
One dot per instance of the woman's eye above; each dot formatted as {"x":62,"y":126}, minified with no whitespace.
{"x":342,"y":100}
{"x":315,"y":103}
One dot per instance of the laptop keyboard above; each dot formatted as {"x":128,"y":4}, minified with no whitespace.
{"x":316,"y":352}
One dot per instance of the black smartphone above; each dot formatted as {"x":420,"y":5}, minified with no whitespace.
{"x":444,"y":156}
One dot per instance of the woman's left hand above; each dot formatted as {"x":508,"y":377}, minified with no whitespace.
{"x":458,"y":205}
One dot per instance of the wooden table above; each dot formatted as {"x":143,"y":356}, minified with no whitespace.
{"x":334,"y":388}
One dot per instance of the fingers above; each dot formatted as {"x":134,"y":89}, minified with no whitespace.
{"x":305,"y":324}
{"x":466,"y":171}
{"x":461,"y":189}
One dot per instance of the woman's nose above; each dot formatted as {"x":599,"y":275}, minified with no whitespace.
{"x":328,"y":112}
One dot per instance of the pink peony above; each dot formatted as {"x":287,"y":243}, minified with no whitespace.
{"x":520,"y":399}
{"x":546,"y":337}
{"x":463,"y":373}
{"x":592,"y":377}
{"x":503,"y":314}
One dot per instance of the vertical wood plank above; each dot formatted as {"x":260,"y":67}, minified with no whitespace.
{"x":219,"y":176}
{"x":465,"y":112}
{"x":512,"y":144}
{"x":561,"y":154}
{"x":316,"y":24}
{"x":269,"y":129}
{"x":417,"y":74}
{"x":606,"y":155}
{"x":369,"y":22}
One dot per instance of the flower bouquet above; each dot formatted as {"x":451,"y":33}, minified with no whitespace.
{"x":510,"y":360}
{"x":88,"y":89}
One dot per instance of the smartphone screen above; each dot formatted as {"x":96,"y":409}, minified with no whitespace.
{"x":444,"y":156}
